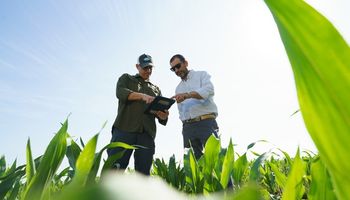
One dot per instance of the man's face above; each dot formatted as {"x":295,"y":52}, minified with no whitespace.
{"x":179,"y":68}
{"x":145,"y":72}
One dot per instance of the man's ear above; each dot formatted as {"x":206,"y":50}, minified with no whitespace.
{"x":186,"y":63}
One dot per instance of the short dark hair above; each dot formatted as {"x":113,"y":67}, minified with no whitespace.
{"x":179,"y":56}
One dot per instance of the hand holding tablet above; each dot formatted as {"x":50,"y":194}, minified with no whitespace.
{"x":159,"y":104}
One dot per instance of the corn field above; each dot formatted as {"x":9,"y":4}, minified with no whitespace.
{"x":320,"y":59}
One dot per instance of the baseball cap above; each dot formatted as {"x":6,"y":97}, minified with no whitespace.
{"x":145,"y":60}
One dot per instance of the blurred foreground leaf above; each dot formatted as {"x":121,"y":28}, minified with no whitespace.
{"x":320,"y":59}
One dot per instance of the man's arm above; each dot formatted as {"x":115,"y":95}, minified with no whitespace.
{"x":126,"y":94}
{"x":188,"y":95}
{"x":205,"y":91}
{"x":140,"y":96}
{"x":162,"y":117}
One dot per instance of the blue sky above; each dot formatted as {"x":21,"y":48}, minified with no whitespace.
{"x":61,"y":57}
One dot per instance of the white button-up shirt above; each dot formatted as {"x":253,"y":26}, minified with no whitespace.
{"x":198,"y":81}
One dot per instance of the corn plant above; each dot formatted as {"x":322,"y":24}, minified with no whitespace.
{"x":320,"y":59}
{"x":171,"y":173}
{"x":215,"y":171}
{"x":40,"y":178}
{"x":10,"y":180}
{"x":300,"y":177}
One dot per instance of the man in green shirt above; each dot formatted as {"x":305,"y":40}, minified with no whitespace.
{"x":132,"y":125}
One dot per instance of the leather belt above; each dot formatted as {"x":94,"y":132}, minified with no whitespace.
{"x":200,"y":118}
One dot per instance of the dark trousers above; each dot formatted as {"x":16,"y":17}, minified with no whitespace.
{"x":143,"y":156}
{"x":196,"y":134}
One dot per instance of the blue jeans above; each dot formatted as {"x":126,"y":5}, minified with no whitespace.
{"x":196,"y":134}
{"x":143,"y":156}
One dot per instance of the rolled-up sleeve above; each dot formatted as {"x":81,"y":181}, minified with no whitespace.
{"x":207,"y":88}
{"x":122,"y":88}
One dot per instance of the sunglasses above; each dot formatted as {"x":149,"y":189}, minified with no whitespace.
{"x":177,"y":66}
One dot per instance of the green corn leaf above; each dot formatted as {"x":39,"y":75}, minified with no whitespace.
{"x":72,"y":153}
{"x":187,"y":168}
{"x":82,"y":142}
{"x":239,"y":167}
{"x":85,"y":162}
{"x":254,"y":171}
{"x":63,"y":173}
{"x":9,"y":171}
{"x":287,"y":157}
{"x":30,"y":163}
{"x":118,"y":144}
{"x":7,"y":184}
{"x":251,"y":145}
{"x":320,"y":59}
{"x":281,"y":179}
{"x":49,"y":164}
{"x":12,"y":168}
{"x":210,"y":159}
{"x":112,"y":159}
{"x":156,"y":168}
{"x":193,"y":178}
{"x":95,"y":167}
{"x":227,"y":167}
{"x":172,"y":170}
{"x":194,"y":170}
{"x":211,"y":154}
{"x":294,"y":188}
{"x":2,"y":165}
{"x":15,"y":191}
{"x":96,"y":162}
{"x":321,"y":186}
{"x":37,"y":162}
{"x":160,"y":169}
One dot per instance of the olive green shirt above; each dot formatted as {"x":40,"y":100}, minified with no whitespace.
{"x":131,"y":116}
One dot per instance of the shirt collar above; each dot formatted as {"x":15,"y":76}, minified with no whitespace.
{"x":140,"y":78}
{"x":189,"y":75}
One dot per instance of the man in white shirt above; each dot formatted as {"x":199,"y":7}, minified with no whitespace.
{"x":197,"y":110}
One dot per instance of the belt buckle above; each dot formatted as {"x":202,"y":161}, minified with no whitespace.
{"x":208,"y":116}
{"x":196,"y":119}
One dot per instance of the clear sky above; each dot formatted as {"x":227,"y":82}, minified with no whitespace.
{"x":61,"y":57}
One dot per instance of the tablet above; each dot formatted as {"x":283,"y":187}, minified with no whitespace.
{"x":159,"y":103}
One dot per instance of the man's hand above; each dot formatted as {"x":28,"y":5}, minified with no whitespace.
{"x":140,"y":96}
{"x":163,"y":115}
{"x":147,"y":98}
{"x":181,"y":97}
